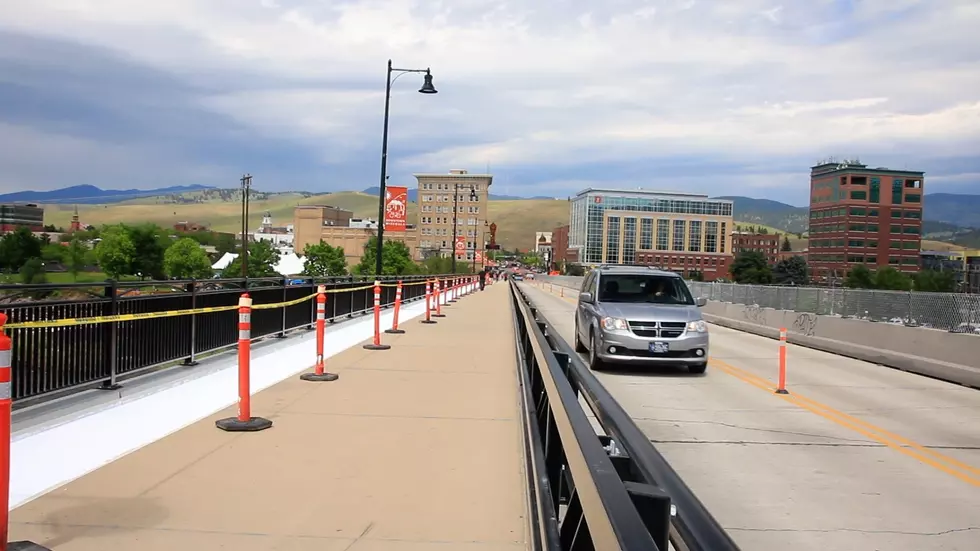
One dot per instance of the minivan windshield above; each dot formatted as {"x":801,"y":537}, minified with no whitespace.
{"x":655,"y":289}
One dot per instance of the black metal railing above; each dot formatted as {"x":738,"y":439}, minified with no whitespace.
{"x":51,"y":361}
{"x":591,"y":491}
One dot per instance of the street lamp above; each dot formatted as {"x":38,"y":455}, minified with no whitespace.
{"x":246,"y":188}
{"x":427,"y":88}
{"x":474,"y":197}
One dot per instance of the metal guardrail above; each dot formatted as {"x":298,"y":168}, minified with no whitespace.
{"x":596,"y":492}
{"x":956,"y":312}
{"x":52,"y":361}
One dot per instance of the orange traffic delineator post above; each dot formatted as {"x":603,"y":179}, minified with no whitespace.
{"x":244,"y":422}
{"x":781,"y":389}
{"x":437,"y":295}
{"x":428,"y":303}
{"x":6,"y":407}
{"x":452,"y":291}
{"x":398,"y":306}
{"x":376,"y":344}
{"x":319,"y":373}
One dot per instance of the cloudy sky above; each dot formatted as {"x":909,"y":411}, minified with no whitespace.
{"x":721,"y":97}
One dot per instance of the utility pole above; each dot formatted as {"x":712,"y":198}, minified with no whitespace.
{"x":246,"y":189}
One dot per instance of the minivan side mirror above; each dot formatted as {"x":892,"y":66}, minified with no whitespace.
{"x":701,"y":302}
{"x":585,"y":297}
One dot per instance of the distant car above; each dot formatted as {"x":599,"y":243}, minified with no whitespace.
{"x":517,"y":277}
{"x":640,"y":316}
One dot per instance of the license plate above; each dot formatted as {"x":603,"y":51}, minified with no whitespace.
{"x":659,"y":347}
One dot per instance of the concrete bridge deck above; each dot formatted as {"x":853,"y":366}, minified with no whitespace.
{"x":415,"y":448}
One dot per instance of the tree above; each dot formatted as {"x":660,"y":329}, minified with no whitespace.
{"x":115,"y":252}
{"x":889,"y":278}
{"x":17,"y":247}
{"x":787,"y":246}
{"x":751,"y":267}
{"x":934,"y":281}
{"x":53,"y":252}
{"x":860,"y":277}
{"x":75,"y":257}
{"x":695,"y":275}
{"x":32,"y":272}
{"x":396,"y":259}
{"x":262,"y":259}
{"x":185,"y":259}
{"x":323,"y":260}
{"x":149,"y":243}
{"x":225,"y":243}
{"x":791,"y":271}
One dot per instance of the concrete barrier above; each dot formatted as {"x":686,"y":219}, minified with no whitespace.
{"x":949,"y":356}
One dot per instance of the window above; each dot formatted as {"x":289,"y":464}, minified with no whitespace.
{"x":646,"y":233}
{"x":663,"y":232}
{"x":678,"y":244}
{"x":913,"y":198}
{"x":910,"y":230}
{"x":857,"y":227}
{"x":634,"y":288}
{"x":711,"y":237}
{"x":612,"y":240}
{"x":872,"y":212}
{"x":872,"y":244}
{"x":895,"y":229}
{"x":910,"y":245}
{"x":856,"y":243}
{"x":859,"y":195}
{"x":629,"y":240}
{"x":694,"y":243}
{"x":897,"y":191}
{"x":896,"y":214}
{"x":914,"y":214}
{"x":875,"y":190}
{"x":894,"y":244}
{"x":873,"y":228}
{"x":856,"y":211}
{"x":723,"y":237}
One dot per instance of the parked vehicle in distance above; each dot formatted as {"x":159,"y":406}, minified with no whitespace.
{"x":640,"y":316}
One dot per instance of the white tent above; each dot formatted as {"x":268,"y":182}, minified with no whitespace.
{"x":224,"y":261}
{"x":290,"y":264}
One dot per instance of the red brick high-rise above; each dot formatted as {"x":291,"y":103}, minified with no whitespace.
{"x":861,"y":215}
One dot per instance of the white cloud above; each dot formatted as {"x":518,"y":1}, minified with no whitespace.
{"x":550,"y":82}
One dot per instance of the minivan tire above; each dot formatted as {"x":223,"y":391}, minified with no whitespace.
{"x":595,"y":363}
{"x":579,"y":347}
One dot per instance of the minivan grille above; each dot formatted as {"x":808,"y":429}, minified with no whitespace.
{"x":655,"y":329}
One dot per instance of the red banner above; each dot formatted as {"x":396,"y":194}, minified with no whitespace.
{"x":396,"y":208}
{"x":478,"y":257}
{"x":460,"y":246}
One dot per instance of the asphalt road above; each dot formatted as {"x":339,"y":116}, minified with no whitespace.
{"x":857,"y":456}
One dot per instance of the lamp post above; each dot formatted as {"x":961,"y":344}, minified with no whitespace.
{"x":427,"y":88}
{"x":246,"y":188}
{"x":473,"y":196}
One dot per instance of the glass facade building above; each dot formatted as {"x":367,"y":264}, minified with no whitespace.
{"x":684,"y":232}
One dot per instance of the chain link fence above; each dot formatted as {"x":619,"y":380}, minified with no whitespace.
{"x":959,"y":313}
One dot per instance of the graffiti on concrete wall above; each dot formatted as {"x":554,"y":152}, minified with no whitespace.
{"x":805,"y":323}
{"x":755,"y":314}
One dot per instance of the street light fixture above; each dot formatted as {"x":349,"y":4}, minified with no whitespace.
{"x":474,"y":197}
{"x":246,"y":188}
{"x":427,"y":88}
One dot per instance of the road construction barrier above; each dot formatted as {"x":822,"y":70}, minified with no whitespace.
{"x":781,"y":389}
{"x":428,"y":303}
{"x":398,"y":306}
{"x":376,"y":342}
{"x":438,"y":298}
{"x":244,"y":422}
{"x":319,"y":370}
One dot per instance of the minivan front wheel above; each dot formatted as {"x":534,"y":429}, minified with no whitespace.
{"x":579,"y":347}
{"x":595,"y":363}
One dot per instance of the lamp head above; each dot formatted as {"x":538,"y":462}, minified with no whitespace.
{"x":427,"y":87}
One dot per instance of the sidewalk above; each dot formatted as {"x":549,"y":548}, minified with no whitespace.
{"x":413,"y":448}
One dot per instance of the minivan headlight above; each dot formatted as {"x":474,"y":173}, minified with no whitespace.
{"x":697,"y":326}
{"x":614,"y":324}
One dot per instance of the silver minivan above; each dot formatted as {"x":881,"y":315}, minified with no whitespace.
{"x":640,"y":316}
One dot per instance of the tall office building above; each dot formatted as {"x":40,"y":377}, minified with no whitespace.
{"x":680,"y":231}
{"x":435,"y":200}
{"x":861,"y":215}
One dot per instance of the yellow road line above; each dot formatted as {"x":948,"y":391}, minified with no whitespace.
{"x":898,"y":443}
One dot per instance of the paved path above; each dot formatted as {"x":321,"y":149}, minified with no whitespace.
{"x":414,"y":448}
{"x":858,"y":457}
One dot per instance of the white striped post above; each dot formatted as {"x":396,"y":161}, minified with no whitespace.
{"x":319,"y":372}
{"x":244,"y":422}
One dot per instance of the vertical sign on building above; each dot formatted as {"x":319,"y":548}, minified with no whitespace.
{"x":396,"y":208}
{"x":460,"y":246}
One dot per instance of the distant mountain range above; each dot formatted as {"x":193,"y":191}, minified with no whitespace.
{"x":88,"y":195}
{"x":948,"y":217}
{"x":413,"y":195}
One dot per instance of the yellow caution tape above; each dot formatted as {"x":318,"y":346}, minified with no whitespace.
{"x":67,"y":322}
